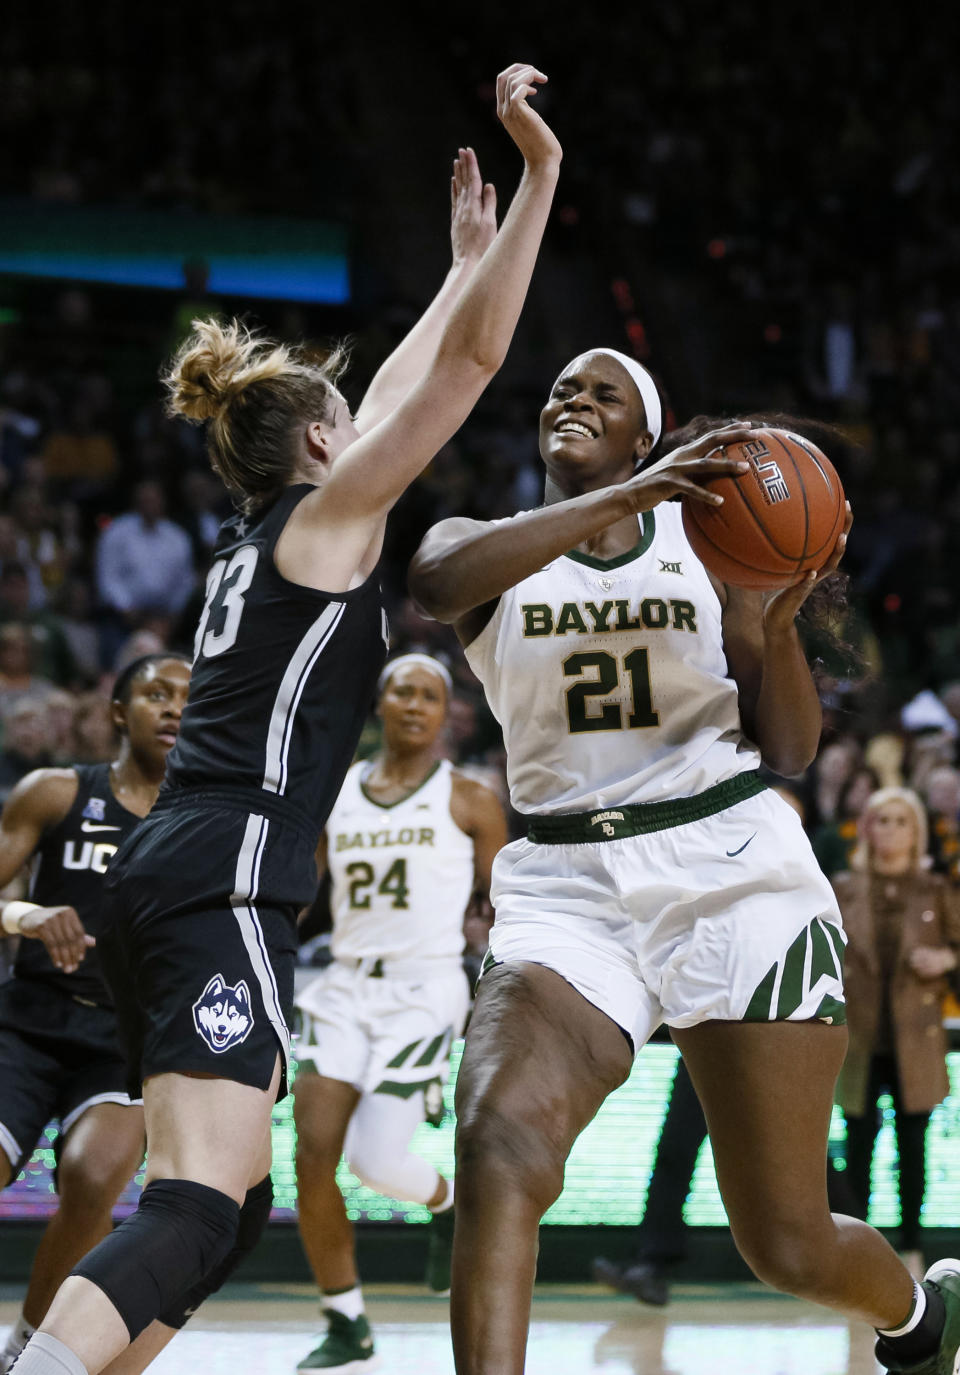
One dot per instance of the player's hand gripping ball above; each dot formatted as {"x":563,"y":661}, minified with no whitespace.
{"x":781,"y":519}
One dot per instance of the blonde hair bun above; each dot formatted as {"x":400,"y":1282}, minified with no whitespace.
{"x":256,"y":394}
{"x":215,"y":364}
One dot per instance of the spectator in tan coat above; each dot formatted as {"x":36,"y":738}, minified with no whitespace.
{"x":903,"y":929}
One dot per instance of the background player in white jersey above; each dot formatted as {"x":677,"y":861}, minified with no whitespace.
{"x":409,"y":843}
{"x":660,"y":882}
{"x":204,"y":895}
{"x":60,"y":1053}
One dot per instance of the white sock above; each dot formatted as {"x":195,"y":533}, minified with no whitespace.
{"x":447,"y":1199}
{"x":349,"y":1302}
{"x":18,"y":1336}
{"x":916,"y":1313}
{"x":44,"y":1355}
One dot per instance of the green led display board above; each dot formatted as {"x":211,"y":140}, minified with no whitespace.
{"x":608,"y":1170}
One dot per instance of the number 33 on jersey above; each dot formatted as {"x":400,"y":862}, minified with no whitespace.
{"x":227,"y":581}
{"x":267,"y":708}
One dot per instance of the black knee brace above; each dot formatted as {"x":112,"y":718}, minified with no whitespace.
{"x":180,"y":1232}
{"x":254,"y":1215}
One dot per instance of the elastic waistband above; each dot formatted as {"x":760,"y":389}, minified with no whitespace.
{"x":641,"y":818}
{"x":252,"y":801}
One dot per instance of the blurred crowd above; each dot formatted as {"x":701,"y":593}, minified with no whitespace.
{"x":777,"y":222}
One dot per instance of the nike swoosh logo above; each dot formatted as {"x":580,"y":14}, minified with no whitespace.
{"x":731,"y":853}
{"x":88,"y":826}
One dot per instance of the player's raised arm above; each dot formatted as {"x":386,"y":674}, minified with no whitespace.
{"x":367,"y":476}
{"x":39,"y":801}
{"x":473,"y":227}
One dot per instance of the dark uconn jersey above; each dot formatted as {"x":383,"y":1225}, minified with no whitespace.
{"x":283,"y":676}
{"x":68,"y":870}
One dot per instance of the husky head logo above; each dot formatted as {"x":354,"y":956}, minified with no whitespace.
{"x":222,"y":1014}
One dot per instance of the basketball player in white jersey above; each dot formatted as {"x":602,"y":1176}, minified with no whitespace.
{"x":409,"y":843}
{"x":660,"y":880}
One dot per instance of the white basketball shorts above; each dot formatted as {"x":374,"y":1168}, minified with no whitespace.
{"x":378,"y":1031}
{"x":723,"y":917}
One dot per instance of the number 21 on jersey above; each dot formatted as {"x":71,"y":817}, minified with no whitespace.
{"x":227,"y":581}
{"x":605,"y":679}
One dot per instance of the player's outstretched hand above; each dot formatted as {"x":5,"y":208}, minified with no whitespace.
{"x":780,"y":608}
{"x":473,"y":209}
{"x":537,"y":142}
{"x":61,"y":931}
{"x":682,"y":472}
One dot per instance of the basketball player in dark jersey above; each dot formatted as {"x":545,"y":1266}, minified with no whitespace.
{"x":60,"y":1056}
{"x":200,"y":940}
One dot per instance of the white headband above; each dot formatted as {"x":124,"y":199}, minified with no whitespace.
{"x":423,"y":661}
{"x":645,"y":386}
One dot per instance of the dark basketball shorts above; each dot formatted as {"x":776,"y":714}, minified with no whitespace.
{"x":199,"y":937}
{"x":58,"y":1057}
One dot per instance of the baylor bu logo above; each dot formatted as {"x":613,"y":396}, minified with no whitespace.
{"x":772,"y":480}
{"x":89,"y":856}
{"x":605,"y":821}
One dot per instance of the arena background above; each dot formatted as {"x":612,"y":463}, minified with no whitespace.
{"x":755,"y":210}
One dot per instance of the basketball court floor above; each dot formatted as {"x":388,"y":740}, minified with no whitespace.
{"x":707,"y":1330}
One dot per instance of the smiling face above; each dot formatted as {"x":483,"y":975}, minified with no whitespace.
{"x":593,"y":429}
{"x":413,"y":707}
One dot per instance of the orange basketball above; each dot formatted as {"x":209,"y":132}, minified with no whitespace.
{"x":781,"y":518}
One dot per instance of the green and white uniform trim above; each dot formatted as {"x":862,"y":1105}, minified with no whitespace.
{"x":659,"y":877}
{"x":609,"y":678}
{"x":417,"y":1066}
{"x":718,"y":915}
{"x":383,"y":1016}
{"x":802,"y":983}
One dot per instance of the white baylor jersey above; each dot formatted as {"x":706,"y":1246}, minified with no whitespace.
{"x":402,"y":874}
{"x":609,"y":678}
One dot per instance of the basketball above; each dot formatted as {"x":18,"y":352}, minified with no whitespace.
{"x":780,"y":519}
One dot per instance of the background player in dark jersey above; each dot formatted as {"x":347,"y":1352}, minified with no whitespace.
{"x":205,"y":894}
{"x":60,"y":1056}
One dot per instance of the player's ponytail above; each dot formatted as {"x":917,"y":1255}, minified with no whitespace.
{"x":254,"y":394}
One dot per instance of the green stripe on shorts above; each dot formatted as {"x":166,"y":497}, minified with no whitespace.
{"x":790,"y":983}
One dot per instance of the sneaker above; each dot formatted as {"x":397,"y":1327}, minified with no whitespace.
{"x":944,"y":1276}
{"x":644,"y":1280}
{"x":348,"y":1345}
{"x":440,"y":1251}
